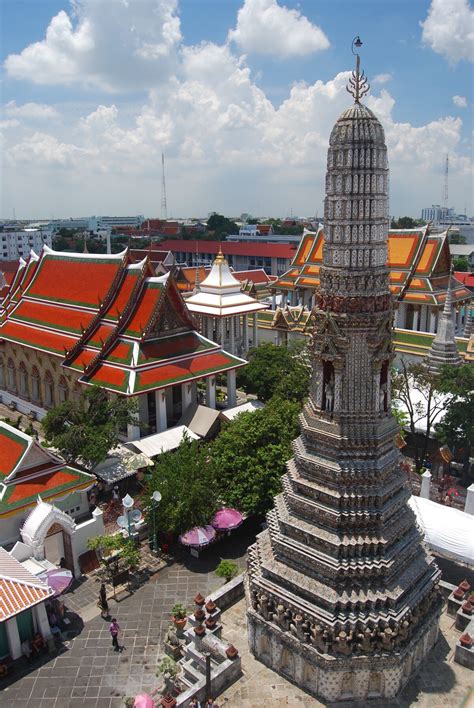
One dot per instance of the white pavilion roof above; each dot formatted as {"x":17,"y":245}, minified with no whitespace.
{"x":220,"y":294}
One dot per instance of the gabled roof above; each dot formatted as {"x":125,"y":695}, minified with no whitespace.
{"x":419,"y":264}
{"x":14,"y":445}
{"x":19,"y":589}
{"x":28,"y":469}
{"x":124,"y":327}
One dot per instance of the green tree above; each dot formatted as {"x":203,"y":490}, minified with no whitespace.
{"x":456,"y":238}
{"x":274,"y":369}
{"x":220,"y":226}
{"x":188,"y":495}
{"x":416,"y":392}
{"x":248,"y":457}
{"x":404,"y":222}
{"x":457,"y":427}
{"x":87,"y":429}
{"x":461,"y":264}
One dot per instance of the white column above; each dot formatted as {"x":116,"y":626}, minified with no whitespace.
{"x":274,"y":306}
{"x":186,"y":395}
{"x":433,"y":320}
{"x":469,"y":505}
{"x":161,"y":415}
{"x":232,"y":335}
{"x":245,"y":333}
{"x":231,"y":389}
{"x":416,"y":319}
{"x":395,"y":317}
{"x":425,"y":485}
{"x":42,"y":621}
{"x":255,"y":329}
{"x":211,"y":391}
{"x":13,"y":638}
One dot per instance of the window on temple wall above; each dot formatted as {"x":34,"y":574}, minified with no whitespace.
{"x":11,"y":375}
{"x":63,"y":390}
{"x":48,"y":390}
{"x":35,"y":384}
{"x":328,"y":387}
{"x":384,"y":387}
{"x":23,"y":379}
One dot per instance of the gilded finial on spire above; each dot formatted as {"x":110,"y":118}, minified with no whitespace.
{"x":220,"y":256}
{"x":358,"y":85}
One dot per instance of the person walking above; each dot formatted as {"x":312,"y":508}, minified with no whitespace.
{"x":114,"y":629}
{"x":103,"y":604}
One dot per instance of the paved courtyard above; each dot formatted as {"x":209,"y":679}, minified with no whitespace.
{"x":87,"y":672}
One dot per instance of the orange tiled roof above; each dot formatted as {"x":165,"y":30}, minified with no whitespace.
{"x":17,"y":596}
{"x":109,"y":319}
{"x":416,"y":260}
{"x":13,"y":447}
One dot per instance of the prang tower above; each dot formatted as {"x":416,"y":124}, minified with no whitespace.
{"x":342,"y":595}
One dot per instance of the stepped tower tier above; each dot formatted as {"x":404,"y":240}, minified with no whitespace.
{"x":342,"y":595}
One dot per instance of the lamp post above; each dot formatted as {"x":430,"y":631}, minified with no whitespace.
{"x":156,"y":498}
{"x":127,"y":503}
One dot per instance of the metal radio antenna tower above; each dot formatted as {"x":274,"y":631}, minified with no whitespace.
{"x":164,"y":208}
{"x":445,"y":185}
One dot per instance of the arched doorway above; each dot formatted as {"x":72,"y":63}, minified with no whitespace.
{"x":48,"y":531}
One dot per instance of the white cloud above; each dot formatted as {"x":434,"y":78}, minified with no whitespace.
{"x":265,"y":27}
{"x":460,"y":101}
{"x":449,"y":29}
{"x":30,"y":111}
{"x":130,"y":46}
{"x":381,"y":78}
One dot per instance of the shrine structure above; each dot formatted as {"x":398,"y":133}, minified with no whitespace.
{"x":73,"y":320}
{"x":223,"y":310}
{"x":342,"y":594}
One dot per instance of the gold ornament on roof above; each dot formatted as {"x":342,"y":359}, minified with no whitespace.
{"x":358,"y":85}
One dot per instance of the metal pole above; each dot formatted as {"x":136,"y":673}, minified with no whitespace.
{"x":208,"y":675}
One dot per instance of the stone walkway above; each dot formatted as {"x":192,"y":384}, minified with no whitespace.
{"x":88,"y":672}
{"x":440,"y":682}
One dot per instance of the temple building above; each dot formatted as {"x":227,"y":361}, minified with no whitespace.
{"x":419,"y":263}
{"x":342,"y":594}
{"x":74,"y":320}
{"x":43,"y":501}
{"x":223,"y":309}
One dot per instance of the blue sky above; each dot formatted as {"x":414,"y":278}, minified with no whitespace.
{"x":239,"y":95}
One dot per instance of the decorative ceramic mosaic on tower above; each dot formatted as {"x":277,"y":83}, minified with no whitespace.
{"x":342,"y":594}
{"x":443,"y":348}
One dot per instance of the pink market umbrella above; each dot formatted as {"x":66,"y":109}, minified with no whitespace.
{"x":198,"y":536}
{"x":58,"y":579}
{"x":143,"y":700}
{"x":227,"y":519}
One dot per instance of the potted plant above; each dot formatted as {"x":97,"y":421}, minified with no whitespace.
{"x":179,"y":614}
{"x":170,"y":669}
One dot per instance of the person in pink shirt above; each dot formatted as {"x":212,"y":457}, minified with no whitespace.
{"x":114,"y":629}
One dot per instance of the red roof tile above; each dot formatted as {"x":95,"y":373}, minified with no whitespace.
{"x":12,"y":449}
{"x":55,"y":316}
{"x":229,"y":248}
{"x":35,"y":337}
{"x":17,"y":596}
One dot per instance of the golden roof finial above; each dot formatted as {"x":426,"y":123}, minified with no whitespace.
{"x":220,"y":256}
{"x":358,"y":85}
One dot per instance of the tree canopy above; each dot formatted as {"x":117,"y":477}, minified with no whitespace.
{"x":249,"y":456}
{"x":221,"y":226}
{"x":185,"y":481}
{"x":280,"y":370}
{"x":457,"y":427}
{"x":461,"y":264}
{"x":406,"y":222}
{"x":88,"y":429}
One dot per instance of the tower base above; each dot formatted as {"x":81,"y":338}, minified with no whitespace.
{"x":346,"y":678}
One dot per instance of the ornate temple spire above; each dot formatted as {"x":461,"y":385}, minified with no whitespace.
{"x":358,"y":85}
{"x":341,"y":592}
{"x":468,"y":328}
{"x":443,"y":347}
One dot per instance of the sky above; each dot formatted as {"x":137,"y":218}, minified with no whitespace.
{"x":239,"y":95}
